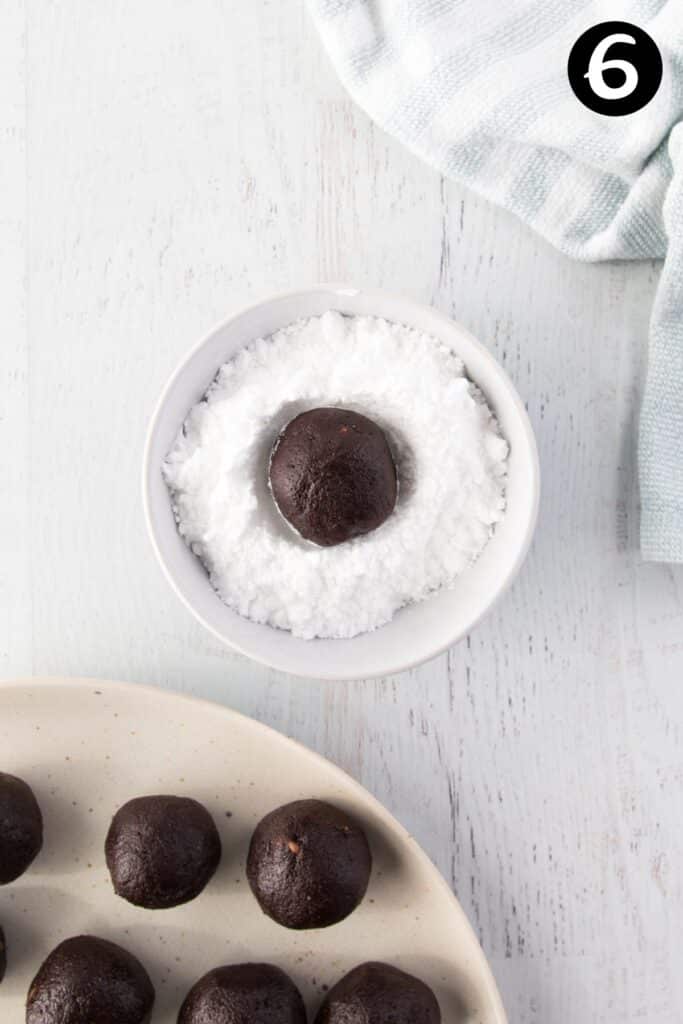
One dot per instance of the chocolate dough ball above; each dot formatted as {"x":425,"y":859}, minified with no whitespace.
{"x":333,"y":476}
{"x":3,"y":955}
{"x":21,"y":827}
{"x":309,"y":864}
{"x":90,"y":981}
{"x":162,"y":851}
{"x":375,"y":993}
{"x":244,"y":994}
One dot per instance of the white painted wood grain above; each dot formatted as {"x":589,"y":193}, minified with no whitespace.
{"x":15,"y":559}
{"x":160,"y":164}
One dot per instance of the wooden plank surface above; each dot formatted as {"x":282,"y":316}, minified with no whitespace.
{"x":159,"y":165}
{"x":15,"y":555}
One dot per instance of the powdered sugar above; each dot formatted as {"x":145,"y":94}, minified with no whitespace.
{"x":450,"y":456}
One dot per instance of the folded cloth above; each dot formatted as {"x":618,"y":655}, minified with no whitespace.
{"x":479,"y":89}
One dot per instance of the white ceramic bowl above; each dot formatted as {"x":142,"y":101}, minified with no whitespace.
{"x":418,"y":632}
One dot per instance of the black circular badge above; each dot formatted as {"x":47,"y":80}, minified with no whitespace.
{"x":615,"y":68}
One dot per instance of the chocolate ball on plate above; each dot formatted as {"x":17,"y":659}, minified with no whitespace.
{"x":244,"y":994}
{"x":333,"y":476}
{"x":87,"y":980}
{"x":162,"y":851}
{"x":308,"y":865}
{"x":21,"y":827}
{"x":375,"y":993}
{"x":3,"y":955}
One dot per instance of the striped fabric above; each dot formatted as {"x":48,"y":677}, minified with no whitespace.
{"x":478,"y":88}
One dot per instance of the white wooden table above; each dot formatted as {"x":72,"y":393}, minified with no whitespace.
{"x":163,"y":162}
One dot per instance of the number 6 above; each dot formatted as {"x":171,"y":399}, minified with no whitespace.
{"x":598,"y":65}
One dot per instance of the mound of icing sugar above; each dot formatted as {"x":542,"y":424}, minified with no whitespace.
{"x":450,"y":456}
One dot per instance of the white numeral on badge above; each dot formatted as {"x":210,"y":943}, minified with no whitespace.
{"x":598,"y":65}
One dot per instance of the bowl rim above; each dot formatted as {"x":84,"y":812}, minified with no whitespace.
{"x":401,"y":664}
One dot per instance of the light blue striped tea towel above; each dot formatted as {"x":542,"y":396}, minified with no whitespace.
{"x":479,"y":89}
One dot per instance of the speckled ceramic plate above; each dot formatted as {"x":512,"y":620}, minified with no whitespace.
{"x":87,"y":746}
